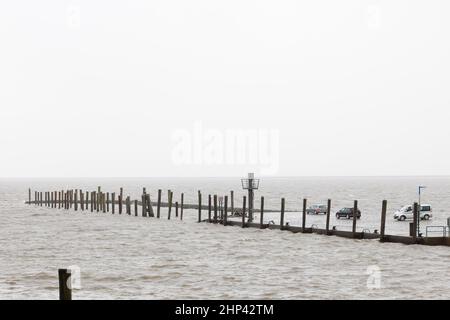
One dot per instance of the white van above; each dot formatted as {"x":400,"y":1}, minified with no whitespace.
{"x":406,"y":212}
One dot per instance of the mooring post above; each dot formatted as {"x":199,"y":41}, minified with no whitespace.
{"x":232,"y":202}
{"x":199,"y":206}
{"x":76,"y":200}
{"x":261,"y":217}
{"x":215,"y":208}
{"x":225,"y":210}
{"x":383,"y":220}
{"x":209,"y":208}
{"x":304,"y":214}
{"x":169,"y":194}
{"x":416,"y":218}
{"x":144,"y":206}
{"x":120,"y":200}
{"x":65,"y":288}
{"x":355,"y":216}
{"x":328,"y":216}
{"x":282,"y":214}
{"x":158,"y":208}
{"x":244,"y":203}
{"x":113,"y":202}
{"x":182,"y":206}
{"x":151,"y":213}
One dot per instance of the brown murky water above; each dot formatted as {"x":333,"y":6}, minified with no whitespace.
{"x":127,"y":257}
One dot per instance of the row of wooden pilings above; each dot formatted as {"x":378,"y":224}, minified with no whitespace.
{"x":217,"y":209}
{"x":105,"y":202}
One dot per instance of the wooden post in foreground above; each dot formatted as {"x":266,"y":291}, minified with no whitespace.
{"x":199,"y":206}
{"x":29,"y":196}
{"x":244,"y":202}
{"x":65,"y":291}
{"x":176,"y":209}
{"x":328,"y":216}
{"x":282,"y":214}
{"x":383,"y":220}
{"x":355,"y":215}
{"x":136,"y":208}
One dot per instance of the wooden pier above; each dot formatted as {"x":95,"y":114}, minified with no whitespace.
{"x":216,"y":212}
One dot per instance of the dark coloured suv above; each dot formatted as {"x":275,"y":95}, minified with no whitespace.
{"x":347,"y":213}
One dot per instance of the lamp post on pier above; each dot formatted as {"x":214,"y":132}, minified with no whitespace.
{"x":250,"y":184}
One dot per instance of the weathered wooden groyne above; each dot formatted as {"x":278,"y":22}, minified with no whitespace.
{"x":218,"y":211}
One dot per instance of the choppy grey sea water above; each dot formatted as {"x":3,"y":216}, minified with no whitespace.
{"x":127,"y":257}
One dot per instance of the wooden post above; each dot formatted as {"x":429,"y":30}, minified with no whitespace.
{"x":304,"y":215}
{"x":40,"y":199}
{"x":120,"y":200}
{"x":282,"y":215}
{"x":209,"y":208}
{"x":415,"y":217}
{"x":170,"y":194}
{"x":355,"y":215}
{"x":232,"y":202}
{"x":128,"y":205}
{"x":158,"y":208}
{"x":107,"y":201}
{"x":244,"y":202}
{"x":51,"y":197}
{"x":148,"y":202}
{"x":76,"y":200}
{"x":261,"y":218}
{"x":199,"y":206}
{"x":176,"y":209}
{"x":215,"y":208}
{"x":144,"y":206}
{"x":65,"y":291}
{"x":86,"y":200}
{"x":135,"y":208}
{"x":383,"y":220}
{"x":97,"y":201}
{"x":113,"y":202}
{"x":92,"y":201}
{"x":182,"y":206}
{"x":29,"y":196}
{"x":328,"y":216}
{"x":225,"y":209}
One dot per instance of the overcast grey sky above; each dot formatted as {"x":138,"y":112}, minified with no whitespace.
{"x":104,"y":88}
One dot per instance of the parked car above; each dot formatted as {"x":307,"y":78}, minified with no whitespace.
{"x":316,"y":209}
{"x":406,"y":212}
{"x":347,"y":213}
